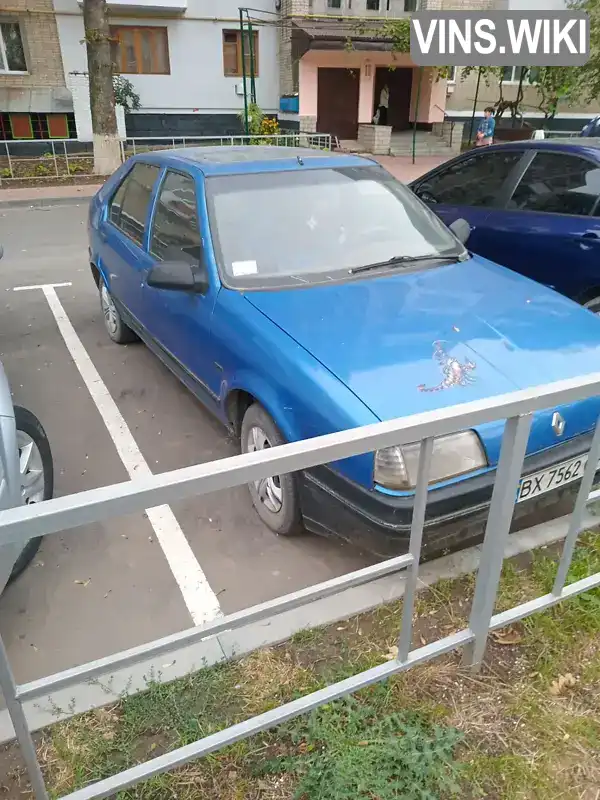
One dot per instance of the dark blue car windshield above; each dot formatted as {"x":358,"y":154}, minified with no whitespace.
{"x":310,"y":226}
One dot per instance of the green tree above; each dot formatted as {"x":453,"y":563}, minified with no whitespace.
{"x":107,"y":148}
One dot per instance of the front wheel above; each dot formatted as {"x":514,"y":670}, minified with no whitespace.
{"x":36,"y":471}
{"x":275,"y":499}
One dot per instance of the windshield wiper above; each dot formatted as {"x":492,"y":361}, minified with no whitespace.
{"x":405,"y":260}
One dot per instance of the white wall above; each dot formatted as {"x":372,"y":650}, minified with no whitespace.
{"x":537,"y":5}
{"x":196,"y":83}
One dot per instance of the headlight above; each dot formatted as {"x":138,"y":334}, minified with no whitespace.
{"x":455,"y":454}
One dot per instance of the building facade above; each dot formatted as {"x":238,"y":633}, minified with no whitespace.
{"x":34,"y":100}
{"x":183,"y":58}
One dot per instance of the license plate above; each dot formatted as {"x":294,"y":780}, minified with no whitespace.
{"x":551,"y":478}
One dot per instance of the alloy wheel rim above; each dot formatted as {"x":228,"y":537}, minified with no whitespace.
{"x":109,"y":311}
{"x":31,"y":469}
{"x":268,"y":490}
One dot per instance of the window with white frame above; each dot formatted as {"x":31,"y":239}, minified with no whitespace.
{"x":513,"y":74}
{"x":12,"y":52}
{"x":452,"y":74}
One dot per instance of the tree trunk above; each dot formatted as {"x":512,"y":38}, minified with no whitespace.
{"x":107,"y":147}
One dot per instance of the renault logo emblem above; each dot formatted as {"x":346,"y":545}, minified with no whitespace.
{"x":558,"y":424}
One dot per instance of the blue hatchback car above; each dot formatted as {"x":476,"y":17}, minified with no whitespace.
{"x":298,"y":293}
{"x":534,"y":206}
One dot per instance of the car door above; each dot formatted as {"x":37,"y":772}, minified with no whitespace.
{"x":550,"y":229}
{"x":180,"y":321}
{"x":472,"y":187}
{"x":123,"y":254}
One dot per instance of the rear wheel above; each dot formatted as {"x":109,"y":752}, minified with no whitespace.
{"x":275,"y":499}
{"x":118,"y":331}
{"x":37,"y":474}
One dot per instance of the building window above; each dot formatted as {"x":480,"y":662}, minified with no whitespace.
{"x":37,"y":126}
{"x":232,"y":53}
{"x":513,"y":74}
{"x":12,"y":52}
{"x":372,"y":5}
{"x":334,"y":3}
{"x":452,"y":75}
{"x":411,"y":5}
{"x":140,"y":50}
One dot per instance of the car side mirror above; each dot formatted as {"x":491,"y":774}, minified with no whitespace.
{"x":178,"y":276}
{"x":461,"y":229}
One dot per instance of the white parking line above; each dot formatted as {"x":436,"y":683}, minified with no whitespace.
{"x":199,"y":598}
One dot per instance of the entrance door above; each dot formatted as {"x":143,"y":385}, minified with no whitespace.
{"x":399,"y":82}
{"x":337,"y":102}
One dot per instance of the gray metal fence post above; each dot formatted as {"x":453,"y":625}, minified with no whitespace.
{"x":55,"y":159}
{"x":416,"y":537}
{"x":17,"y":715}
{"x":508,"y":474}
{"x":66,"y":158}
{"x":577,"y":513}
{"x":10,"y":167}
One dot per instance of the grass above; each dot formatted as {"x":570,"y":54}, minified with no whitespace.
{"x":526,"y":726}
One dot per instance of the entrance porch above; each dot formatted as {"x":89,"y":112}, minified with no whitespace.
{"x":339,"y":92}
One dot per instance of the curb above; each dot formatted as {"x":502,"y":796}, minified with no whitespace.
{"x":228,"y":645}
{"x":44,"y":202}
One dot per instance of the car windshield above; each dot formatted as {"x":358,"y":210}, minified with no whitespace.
{"x":299,"y":227}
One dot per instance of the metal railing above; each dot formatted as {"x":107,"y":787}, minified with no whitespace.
{"x":62,"y":159}
{"x":517,"y":408}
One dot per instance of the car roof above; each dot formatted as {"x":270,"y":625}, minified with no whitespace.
{"x":230,"y":160}
{"x":566,"y":144}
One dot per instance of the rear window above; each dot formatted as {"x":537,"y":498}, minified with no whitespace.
{"x":129,"y":206}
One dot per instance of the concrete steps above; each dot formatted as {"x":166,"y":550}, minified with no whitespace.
{"x":426,"y":144}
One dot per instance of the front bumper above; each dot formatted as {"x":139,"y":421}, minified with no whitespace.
{"x":455,"y":515}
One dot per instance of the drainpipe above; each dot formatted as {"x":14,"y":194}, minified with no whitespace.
{"x":252,"y":70}
{"x":417,"y":104}
{"x":474,"y":106}
{"x":246,"y":125}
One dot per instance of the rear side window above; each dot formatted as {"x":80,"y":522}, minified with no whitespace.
{"x":474,"y":181}
{"x":556,"y":183}
{"x":175,"y":231}
{"x":129,"y":206}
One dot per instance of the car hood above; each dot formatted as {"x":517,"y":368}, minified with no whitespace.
{"x":421,"y":340}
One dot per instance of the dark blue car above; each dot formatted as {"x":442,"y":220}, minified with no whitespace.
{"x":534,"y":207}
{"x":299,"y":293}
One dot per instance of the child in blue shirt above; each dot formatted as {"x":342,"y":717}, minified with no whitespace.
{"x":485,"y":131}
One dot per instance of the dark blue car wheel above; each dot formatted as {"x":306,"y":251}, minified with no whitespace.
{"x":275,"y":499}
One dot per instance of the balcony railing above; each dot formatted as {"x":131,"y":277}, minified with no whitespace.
{"x":364,"y":8}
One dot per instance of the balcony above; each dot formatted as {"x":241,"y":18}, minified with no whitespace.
{"x":163,"y":7}
{"x":363,"y":8}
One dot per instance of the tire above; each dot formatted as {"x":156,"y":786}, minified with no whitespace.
{"x":593,"y":305}
{"x":275,"y":499}
{"x":29,"y":425}
{"x":118,"y":331}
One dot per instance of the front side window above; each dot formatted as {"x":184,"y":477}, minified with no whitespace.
{"x":140,"y":50}
{"x":129,"y":207}
{"x":310,"y":226}
{"x":175,"y":231}
{"x":473,"y":181}
{"x":12,"y":52}
{"x":558,"y":183}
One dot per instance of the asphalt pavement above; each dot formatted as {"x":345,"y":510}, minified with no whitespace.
{"x":97,"y":590}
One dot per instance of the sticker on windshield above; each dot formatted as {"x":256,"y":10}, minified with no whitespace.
{"x":240,"y":268}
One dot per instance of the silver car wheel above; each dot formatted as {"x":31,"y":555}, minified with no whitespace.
{"x":268,"y":490}
{"x":31,"y":469}
{"x":109,"y":310}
